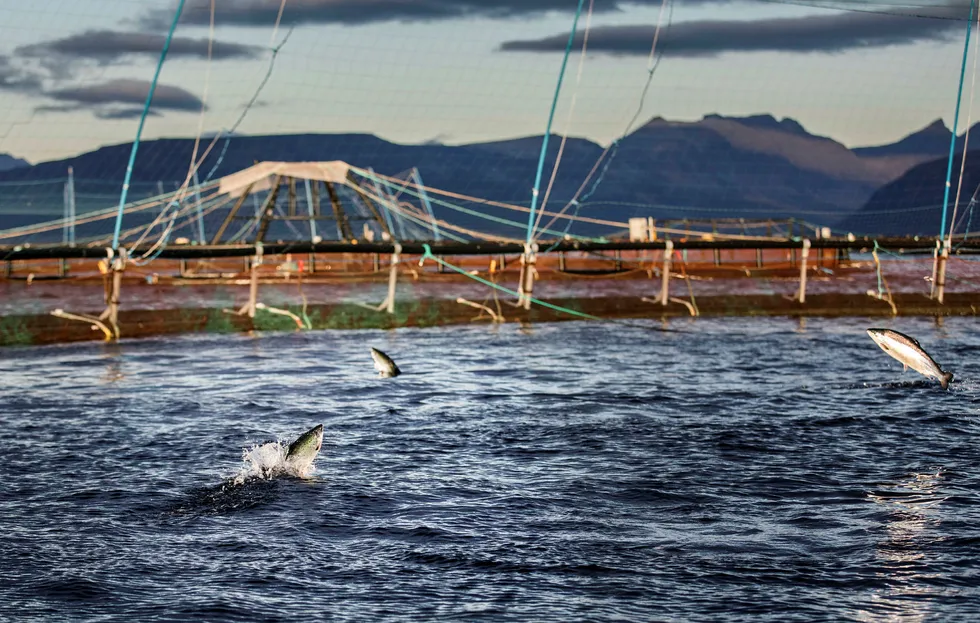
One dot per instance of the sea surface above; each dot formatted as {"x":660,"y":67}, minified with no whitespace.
{"x":723,"y":470}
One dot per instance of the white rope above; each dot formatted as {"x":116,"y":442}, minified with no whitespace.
{"x":275,"y":28}
{"x":194,"y":164}
{"x":652,"y":63}
{"x":966,"y":135}
{"x":568,"y":120}
{"x":204,"y":96}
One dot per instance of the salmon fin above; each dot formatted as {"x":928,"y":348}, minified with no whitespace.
{"x":946,"y":380}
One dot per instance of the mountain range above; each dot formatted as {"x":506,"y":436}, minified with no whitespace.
{"x":754,"y":167}
{"x":8,"y":162}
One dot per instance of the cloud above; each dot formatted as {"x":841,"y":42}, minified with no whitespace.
{"x":109,"y":46}
{"x":15,"y":78}
{"x":116,"y":99}
{"x":263,"y":13}
{"x":125,"y":113}
{"x":814,"y":33}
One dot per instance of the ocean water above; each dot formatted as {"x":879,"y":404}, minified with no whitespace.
{"x":731,"y":469}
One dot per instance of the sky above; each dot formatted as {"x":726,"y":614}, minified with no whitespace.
{"x":74,"y":73}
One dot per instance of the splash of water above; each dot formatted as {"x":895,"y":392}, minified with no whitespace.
{"x":268,"y":461}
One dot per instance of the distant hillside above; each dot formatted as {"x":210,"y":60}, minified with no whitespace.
{"x":912,"y":204}
{"x":932,"y":139}
{"x":8,"y":162}
{"x":718,"y":167}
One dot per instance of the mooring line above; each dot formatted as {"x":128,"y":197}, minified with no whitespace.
{"x":429,"y":255}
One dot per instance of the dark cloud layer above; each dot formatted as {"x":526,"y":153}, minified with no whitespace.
{"x":816,"y":33}
{"x":38,"y":70}
{"x":15,"y":78}
{"x":262,"y":13}
{"x":126,"y":93}
{"x":124,"y":113}
{"x":109,"y":46}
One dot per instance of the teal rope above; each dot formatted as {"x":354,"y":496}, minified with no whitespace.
{"x":956,"y":118}
{"x":551,"y":117}
{"x":428,"y":255}
{"x":139,"y":130}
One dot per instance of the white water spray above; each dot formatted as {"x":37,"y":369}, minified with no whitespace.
{"x":268,"y":461}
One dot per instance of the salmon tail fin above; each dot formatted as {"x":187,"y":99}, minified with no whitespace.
{"x":946,"y":380}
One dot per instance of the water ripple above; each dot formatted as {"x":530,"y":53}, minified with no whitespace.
{"x":747,"y":470}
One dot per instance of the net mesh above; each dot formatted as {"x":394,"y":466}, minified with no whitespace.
{"x":765,"y":119}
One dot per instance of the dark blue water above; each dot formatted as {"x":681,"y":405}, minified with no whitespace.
{"x":737,"y":470}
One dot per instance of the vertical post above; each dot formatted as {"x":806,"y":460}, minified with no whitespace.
{"x":393,"y":278}
{"x":665,"y":279}
{"x":935,"y":269}
{"x":525,"y":286}
{"x":117,"y":264}
{"x":65,"y":215}
{"x":253,"y":284}
{"x":941,"y":276}
{"x":803,"y":256}
{"x":200,"y":214}
{"x":71,"y":206}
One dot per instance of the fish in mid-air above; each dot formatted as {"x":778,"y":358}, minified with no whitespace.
{"x":300,"y":454}
{"x":907,"y":350}
{"x":383,"y":364}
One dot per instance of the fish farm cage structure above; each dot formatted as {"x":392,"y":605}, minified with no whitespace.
{"x":297,"y":242}
{"x":323,"y":224}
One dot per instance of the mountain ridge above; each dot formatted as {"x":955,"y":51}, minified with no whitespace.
{"x":750,"y":167}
